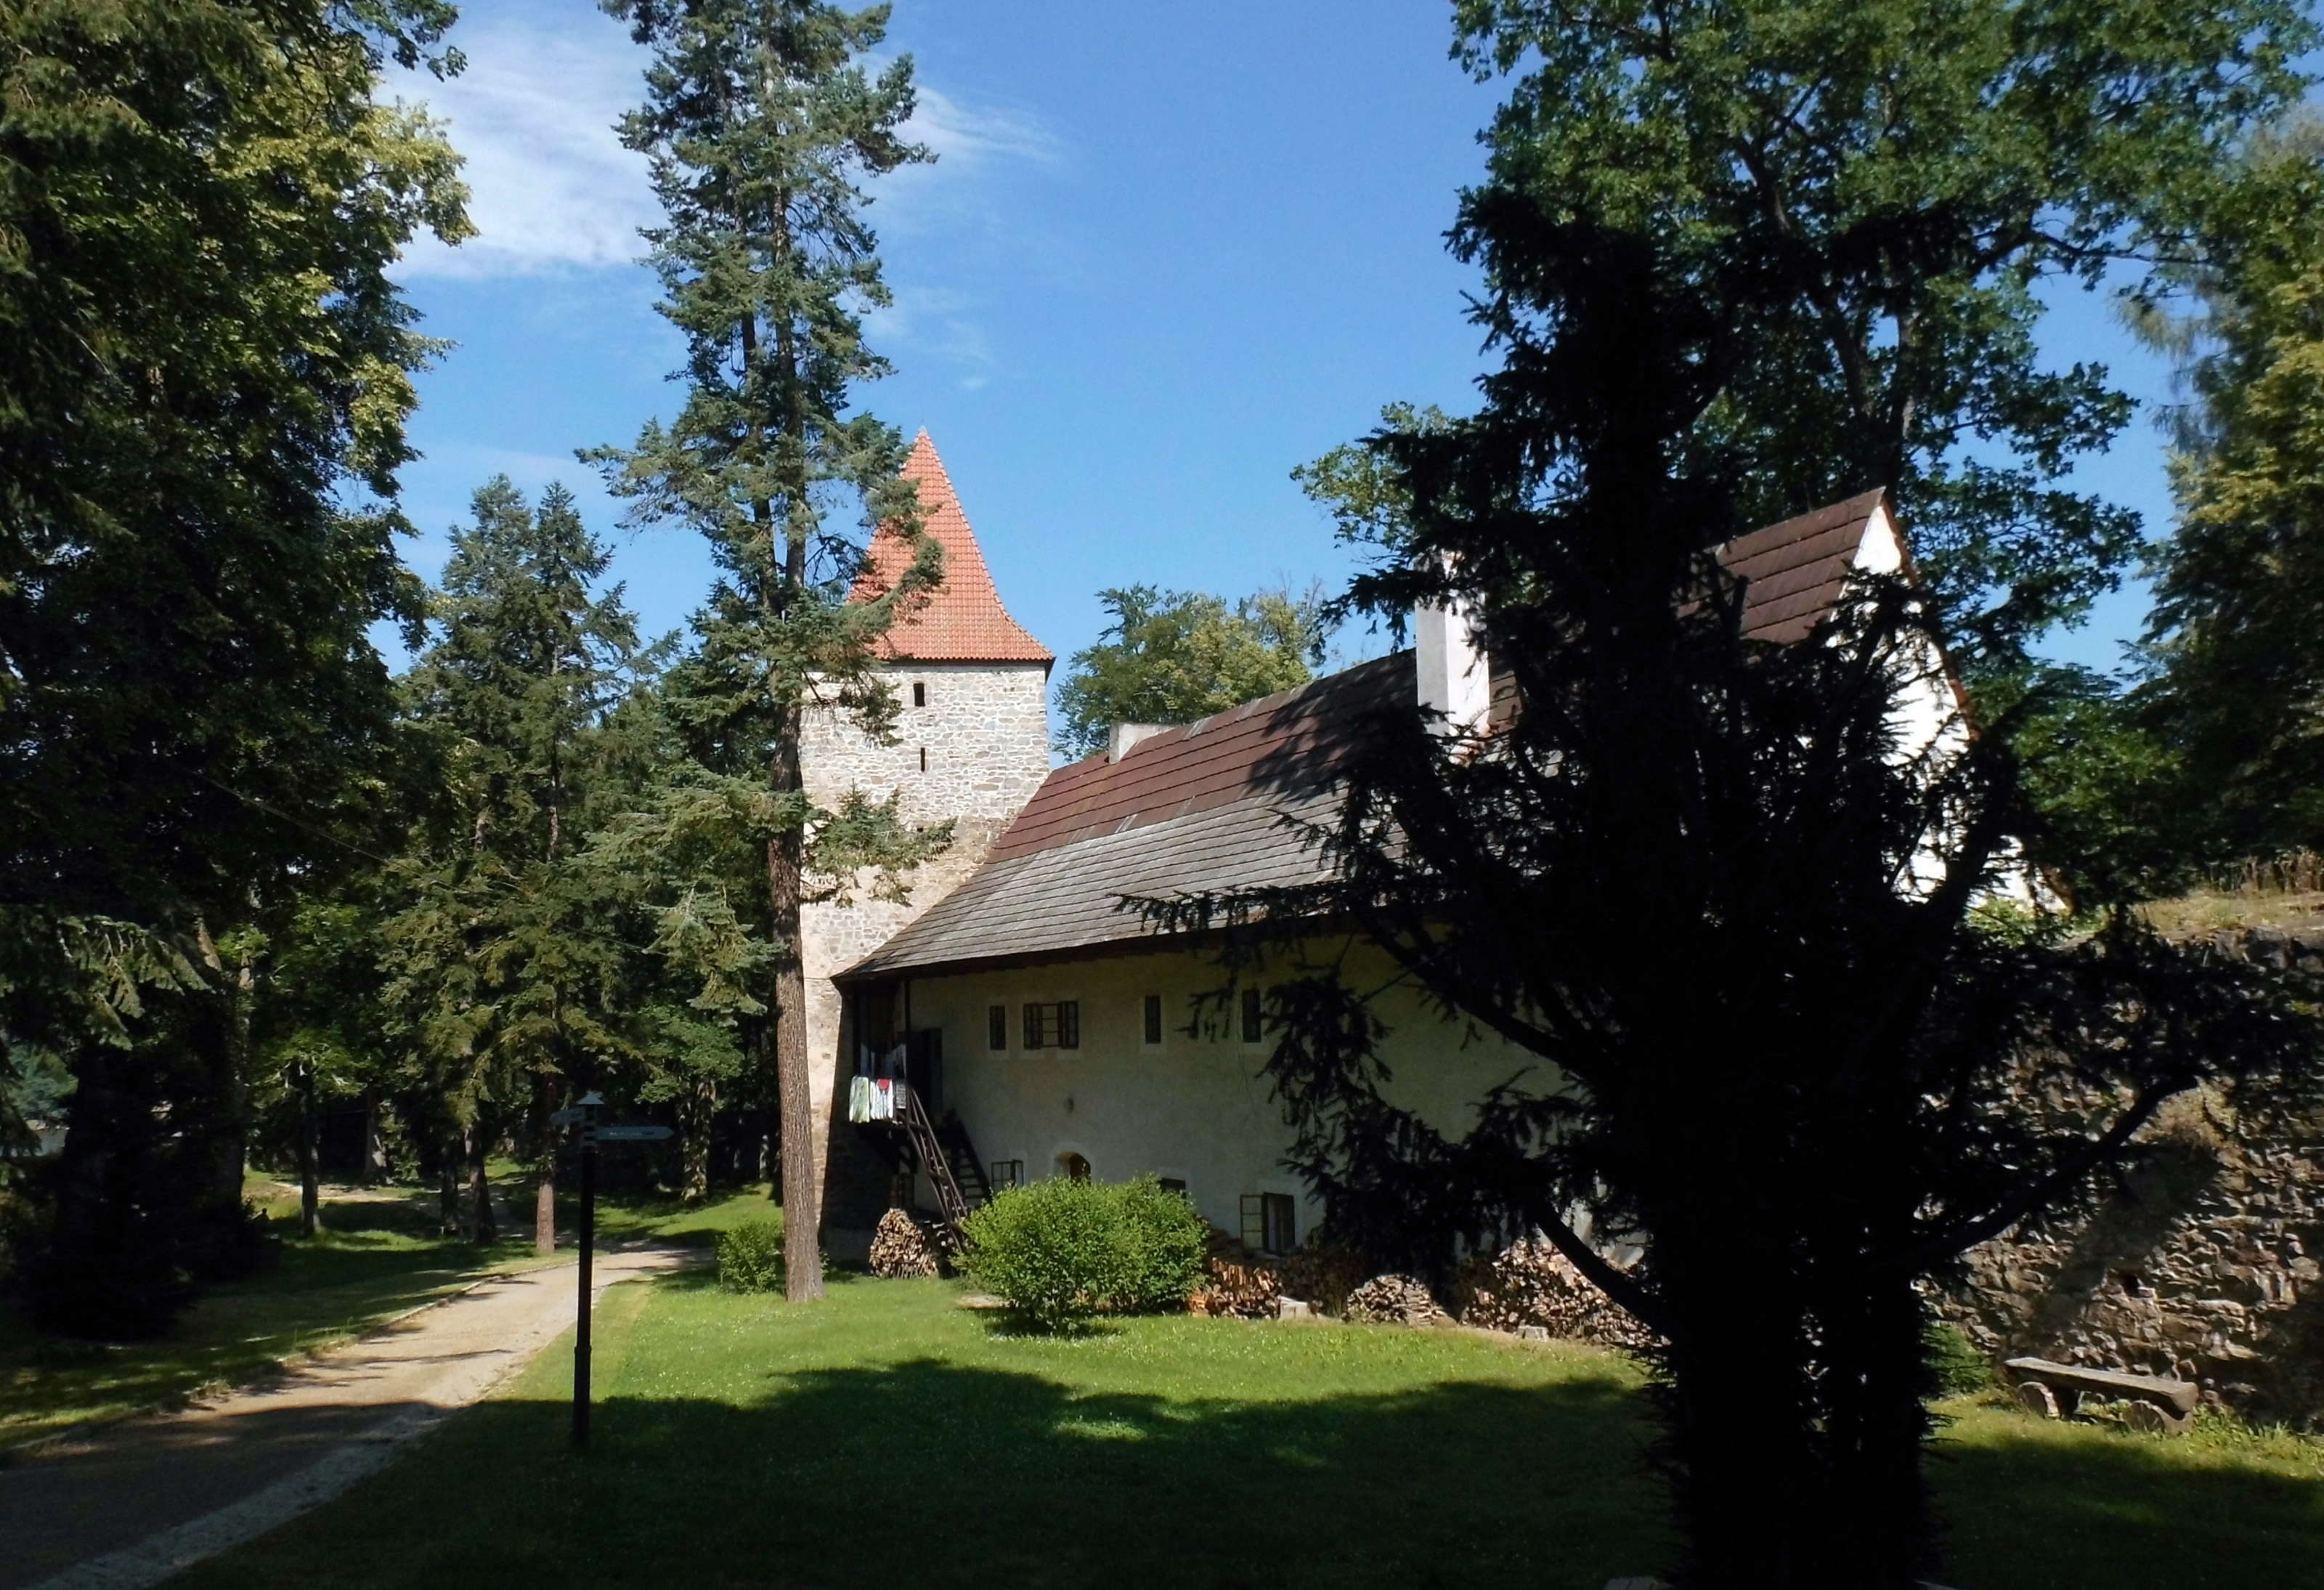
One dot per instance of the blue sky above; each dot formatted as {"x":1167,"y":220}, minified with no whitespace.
{"x":1167,"y":253}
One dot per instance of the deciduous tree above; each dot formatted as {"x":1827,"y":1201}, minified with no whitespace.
{"x":1171,"y":656}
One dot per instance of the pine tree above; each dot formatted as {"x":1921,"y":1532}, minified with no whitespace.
{"x":761,"y":120}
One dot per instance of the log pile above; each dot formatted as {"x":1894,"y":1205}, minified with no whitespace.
{"x":1531,"y":1283}
{"x":1324,"y":1276}
{"x":900,"y":1247}
{"x":1237,"y":1284}
{"x":1394,"y":1300}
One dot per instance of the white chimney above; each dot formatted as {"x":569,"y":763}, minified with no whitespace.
{"x":1455,"y":679}
{"x":1126,"y":735}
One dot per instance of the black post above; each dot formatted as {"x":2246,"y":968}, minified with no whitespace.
{"x":588,"y":1242}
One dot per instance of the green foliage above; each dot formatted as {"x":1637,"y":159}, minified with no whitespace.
{"x":2237,"y":640}
{"x":750,"y":1256}
{"x":1170,"y":1242}
{"x":1063,"y":1250}
{"x":1172,"y":657}
{"x":1959,"y":1366}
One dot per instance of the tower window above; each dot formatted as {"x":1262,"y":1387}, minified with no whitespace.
{"x":919,"y":694}
{"x":924,"y":758}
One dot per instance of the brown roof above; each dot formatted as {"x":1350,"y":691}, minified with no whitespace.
{"x":1221,"y":804}
{"x":1795,"y":570}
{"x":963,"y":621}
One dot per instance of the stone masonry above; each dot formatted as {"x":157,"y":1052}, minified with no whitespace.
{"x":2201,"y":1261}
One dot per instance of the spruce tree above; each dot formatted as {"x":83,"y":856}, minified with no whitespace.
{"x":502,"y":968}
{"x":762,"y":121}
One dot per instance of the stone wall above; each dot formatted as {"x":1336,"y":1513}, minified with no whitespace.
{"x":974,"y":753}
{"x":2201,"y":1261}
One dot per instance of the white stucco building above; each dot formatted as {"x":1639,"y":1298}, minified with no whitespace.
{"x":1046,"y":1030}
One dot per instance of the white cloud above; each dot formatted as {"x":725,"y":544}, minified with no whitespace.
{"x":550,"y":185}
{"x":551,"y":188}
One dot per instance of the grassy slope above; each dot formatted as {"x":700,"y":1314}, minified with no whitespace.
{"x":886,"y":1439}
{"x":373,"y":1261}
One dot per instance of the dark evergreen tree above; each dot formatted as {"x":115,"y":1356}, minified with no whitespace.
{"x":204,"y":376}
{"x":762,"y":121}
{"x":504,"y":970}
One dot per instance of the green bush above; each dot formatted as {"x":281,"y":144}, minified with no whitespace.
{"x":750,"y":1256}
{"x":1958,"y":1364}
{"x":1060,"y":1252}
{"x":1169,"y":1241}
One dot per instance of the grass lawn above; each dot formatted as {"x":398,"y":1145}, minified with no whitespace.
{"x":886,"y":1439}
{"x":373,"y":1261}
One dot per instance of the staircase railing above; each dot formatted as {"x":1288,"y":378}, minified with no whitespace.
{"x":951,"y":1202}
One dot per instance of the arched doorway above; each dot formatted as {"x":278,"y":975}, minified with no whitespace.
{"x":1072,"y":1165}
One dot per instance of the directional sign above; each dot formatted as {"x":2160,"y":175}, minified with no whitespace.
{"x":566,"y":1116}
{"x":631,"y":1134}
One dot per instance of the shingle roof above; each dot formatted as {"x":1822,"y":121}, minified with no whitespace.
{"x":1221,"y":804}
{"x":963,"y":621}
{"x":1796,"y":569}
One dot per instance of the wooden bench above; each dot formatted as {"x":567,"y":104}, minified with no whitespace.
{"x":2055,"y":1390}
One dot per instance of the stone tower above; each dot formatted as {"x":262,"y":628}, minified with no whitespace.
{"x":973,"y":745}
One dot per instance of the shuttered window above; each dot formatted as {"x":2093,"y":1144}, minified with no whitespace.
{"x":1054,"y":1026}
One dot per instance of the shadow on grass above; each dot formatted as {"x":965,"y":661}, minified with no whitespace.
{"x":2036,"y":1508}
{"x":932,"y":1473}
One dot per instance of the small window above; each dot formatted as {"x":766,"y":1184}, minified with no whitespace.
{"x":1008,"y":1173}
{"x":1253,"y":1028}
{"x":1270,"y":1223}
{"x":996,"y":1027}
{"x":1054,"y":1026}
{"x":1173,"y":1184}
{"x":919,"y":694}
{"x":924,"y":758}
{"x":1153,"y":1018}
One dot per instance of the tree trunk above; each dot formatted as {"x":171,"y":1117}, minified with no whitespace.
{"x":311,"y":1198}
{"x":802,"y":1217}
{"x":447,"y":1190}
{"x":544,"y":1213}
{"x":480,"y":1189}
{"x":374,"y":1154}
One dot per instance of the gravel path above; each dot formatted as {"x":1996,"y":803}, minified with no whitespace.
{"x":128,"y":1505}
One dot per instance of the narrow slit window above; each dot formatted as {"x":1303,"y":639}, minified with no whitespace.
{"x":1253,"y":1025}
{"x":1279,"y":1215}
{"x":924,"y":758}
{"x":1153,"y":1018}
{"x":996,"y":1027}
{"x":919,"y":694}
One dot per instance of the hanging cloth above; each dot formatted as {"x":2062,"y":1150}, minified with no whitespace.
{"x":859,"y":1099}
{"x":883,"y":1100}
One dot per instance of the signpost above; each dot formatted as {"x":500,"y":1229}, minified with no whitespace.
{"x":583,"y":1114}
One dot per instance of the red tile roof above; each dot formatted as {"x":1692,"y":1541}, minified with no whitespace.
{"x":1221,"y":804}
{"x":1795,"y":570}
{"x":964,"y":620}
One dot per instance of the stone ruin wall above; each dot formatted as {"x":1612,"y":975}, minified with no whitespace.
{"x":2201,"y":1261}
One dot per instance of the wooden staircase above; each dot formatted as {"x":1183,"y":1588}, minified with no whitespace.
{"x":946,"y":1154}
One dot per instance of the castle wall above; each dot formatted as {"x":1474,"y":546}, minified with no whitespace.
{"x":974,"y":753}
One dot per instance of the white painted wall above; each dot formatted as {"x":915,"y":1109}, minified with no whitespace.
{"x":1195,"y":1106}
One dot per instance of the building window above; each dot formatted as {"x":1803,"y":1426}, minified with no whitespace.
{"x":1154,"y":1018}
{"x":919,"y":694}
{"x":1173,"y":1184}
{"x":1073,"y":1167}
{"x":1054,"y":1026}
{"x":1270,"y":1223}
{"x":1253,"y":1028}
{"x":1008,"y":1173}
{"x":924,"y":758}
{"x":996,"y":1027}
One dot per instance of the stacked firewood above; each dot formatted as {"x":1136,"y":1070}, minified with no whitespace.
{"x":1394,"y":1300}
{"x":1324,"y":1276}
{"x":1531,"y":1283}
{"x":901,"y":1246}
